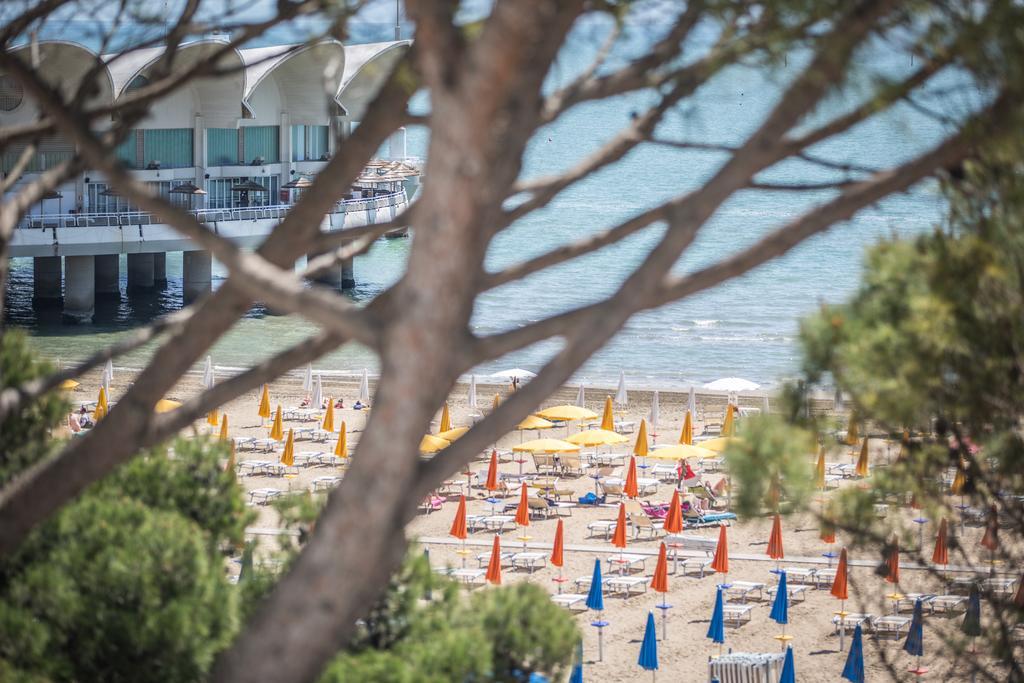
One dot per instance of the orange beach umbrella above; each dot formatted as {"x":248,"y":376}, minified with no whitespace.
{"x":775,"y":540}
{"x":721,"y":562}
{"x":630,"y":488}
{"x":492,"y":473}
{"x":674,"y":518}
{"x":458,"y":529}
{"x":659,"y":582}
{"x":892,"y":563}
{"x":523,"y":509}
{"x":828,"y":531}
{"x":558,"y":549}
{"x":494,"y":566}
{"x":941,"y":553}
{"x":264,"y":407}
{"x":840,"y":587}
{"x":619,"y":537}
{"x":686,"y":435}
{"x":608,"y":417}
{"x":991,"y":538}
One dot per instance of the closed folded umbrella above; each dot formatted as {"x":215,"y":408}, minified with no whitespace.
{"x":914,"y":644}
{"x":328,"y":423}
{"x":608,"y":416}
{"x":840,"y":589}
{"x":788,"y":668}
{"x":224,"y":427}
{"x":655,"y":410}
{"x":648,"y":659}
{"x":991,"y":538}
{"x":619,"y":537}
{"x":941,"y":553}
{"x":780,"y":609}
{"x":288,"y":454}
{"x":819,"y":470}
{"x":852,"y":436}
{"x":108,"y":375}
{"x":854,"y":669}
{"x":101,"y":406}
{"x":581,"y":397}
{"x":621,"y":395}
{"x":496,"y":402}
{"x":659,"y":582}
{"x":364,"y":387}
{"x":960,"y":479}
{"x":230,"y":467}
{"x":892,"y":563}
{"x":674,"y":519}
{"x":307,"y":379}
{"x":491,"y":483}
{"x":729,"y":422}
{"x":630,"y":488}
{"x":277,"y":429}
{"x":264,"y":408}
{"x":595,"y":597}
{"x":686,"y":435}
{"x":458,"y":529}
{"x":641,"y":446}
{"x":691,"y":401}
{"x":446,"y":419}
{"x":720,"y":563}
{"x":862,"y":469}
{"x":775,"y":550}
{"x":317,"y":399}
{"x":558,"y":550}
{"x":971,"y":625}
{"x":523,"y":509}
{"x":494,"y":565}
{"x":471,"y":394}
{"x":341,"y":448}
{"x":716,"y":629}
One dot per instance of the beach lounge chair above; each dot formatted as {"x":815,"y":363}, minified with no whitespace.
{"x":559,"y":508}
{"x":539,"y":508}
{"x":643,"y":524}
{"x":264,"y":495}
{"x":692,"y":544}
{"x":605,"y":527}
{"x":852,"y":621}
{"x":544,"y":462}
{"x":243,"y":442}
{"x":736,"y":614}
{"x":663,"y":472}
{"x":998,"y":585}
{"x":627,"y":585}
{"x":529,"y":561}
{"x":582,"y":583}
{"x":907,"y":600}
{"x":506,"y":558}
{"x":824,"y":577}
{"x":468,"y":576}
{"x":803,"y":575}
{"x":571,"y":601}
{"x":743,"y":589}
{"x":253,"y":467}
{"x":572,"y":463}
{"x":325,"y":483}
{"x":307,"y":458}
{"x":627,"y":562}
{"x":625,"y":426}
{"x":300,"y":414}
{"x":264,"y":445}
{"x":891,"y":625}
{"x":499,"y":523}
{"x":646,"y":486}
{"x":742,"y":667}
{"x":610,"y":459}
{"x":611,"y":487}
{"x":948,"y":604}
{"x":792,"y":592}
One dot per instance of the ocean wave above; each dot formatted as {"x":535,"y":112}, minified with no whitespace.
{"x":706,"y":323}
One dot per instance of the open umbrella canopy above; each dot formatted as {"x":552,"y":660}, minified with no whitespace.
{"x":68,"y":385}
{"x":914,"y":644}
{"x":453,"y":434}
{"x":546,"y":446}
{"x":52,"y":194}
{"x":432,"y":444}
{"x":166,"y":405}
{"x":721,"y":443}
{"x":567,"y":413}
{"x":732,"y":384}
{"x":471,"y":393}
{"x":780,"y":607}
{"x":532,"y":422}
{"x":595,"y":597}
{"x":187,"y":188}
{"x":648,"y":659}
{"x":716,"y":630}
{"x":788,"y":668}
{"x":681,"y":452}
{"x":596,"y":437}
{"x":300,"y":183}
{"x":248,"y":186}
{"x":854,"y":669}
{"x":514,"y":373}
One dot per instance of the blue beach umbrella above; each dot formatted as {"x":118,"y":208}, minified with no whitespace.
{"x":595,"y":598}
{"x":577,"y":668}
{"x":780,"y":608}
{"x":915,"y":636}
{"x":716,"y":631}
{"x":649,"y":648}
{"x":972,"y":619}
{"x":854,"y":669}
{"x":788,"y":668}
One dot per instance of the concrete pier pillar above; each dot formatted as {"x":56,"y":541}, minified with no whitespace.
{"x":46,"y":279}
{"x":197,"y":273}
{"x":140,"y":271}
{"x":79,"y":288}
{"x":339,"y":275}
{"x":348,"y":273}
{"x":108,"y":275}
{"x":160,"y":268}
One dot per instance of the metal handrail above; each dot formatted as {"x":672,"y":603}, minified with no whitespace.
{"x":238,"y":213}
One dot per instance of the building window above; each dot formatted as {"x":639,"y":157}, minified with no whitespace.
{"x":310,"y":143}
{"x":168,"y":147}
{"x":220,"y":195}
{"x":222,"y":147}
{"x":261,"y":145}
{"x":11,"y":93}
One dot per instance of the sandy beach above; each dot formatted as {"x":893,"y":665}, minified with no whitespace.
{"x":684,"y":653}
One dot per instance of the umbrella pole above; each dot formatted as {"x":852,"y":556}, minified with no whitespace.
{"x":842,"y":625}
{"x":664,"y":618}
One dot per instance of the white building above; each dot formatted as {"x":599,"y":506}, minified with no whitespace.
{"x":273,"y":120}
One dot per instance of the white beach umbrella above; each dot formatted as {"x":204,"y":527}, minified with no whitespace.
{"x":108,"y":376}
{"x":692,"y":403}
{"x":471,"y":398}
{"x":621,"y":396}
{"x":653,"y":419}
{"x":765,"y":406}
{"x":307,"y":379}
{"x":581,"y":397}
{"x":318,"y":393}
{"x":364,"y":387}
{"x":732,"y":384}
{"x":839,"y":399}
{"x":513,"y":373}
{"x":208,"y":376}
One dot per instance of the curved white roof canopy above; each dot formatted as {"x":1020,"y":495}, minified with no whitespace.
{"x":307,"y":78}
{"x":64,"y":64}
{"x":220,"y":99}
{"x":366,"y":67}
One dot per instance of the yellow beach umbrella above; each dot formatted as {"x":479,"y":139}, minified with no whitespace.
{"x":496,"y":402}
{"x":729,"y":423}
{"x":277,"y":429}
{"x":264,"y":409}
{"x":453,"y":433}
{"x":959,"y":480}
{"x":212,"y":418}
{"x":446,"y":419}
{"x":681,"y":452}
{"x":721,"y":443}
{"x":101,"y":406}
{"x":641,"y":447}
{"x":608,"y":417}
{"x":686,"y":435}
{"x":231,"y":458}
{"x":862,"y":469}
{"x":68,"y":385}
{"x":533,"y":422}
{"x":224,"y":427}
{"x":567,"y":413}
{"x":166,"y":405}
{"x":546,"y":446}
{"x":341,"y":450}
{"x":819,"y":470}
{"x":288,"y":455}
{"x":596,"y":437}
{"x":432,"y":444}
{"x":852,"y":436}
{"x":328,"y":424}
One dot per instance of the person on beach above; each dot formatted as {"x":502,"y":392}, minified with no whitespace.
{"x":359,"y":405}
{"x":304,"y":403}
{"x":84,"y":421}
{"x":340,"y":403}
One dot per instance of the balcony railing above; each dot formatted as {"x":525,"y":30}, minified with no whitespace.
{"x":249,"y":213}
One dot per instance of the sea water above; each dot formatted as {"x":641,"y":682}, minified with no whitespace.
{"x":747,"y":327}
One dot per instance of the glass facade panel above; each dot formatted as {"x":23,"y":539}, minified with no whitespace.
{"x":172,"y":147}
{"x":222,"y":147}
{"x":310,"y":143}
{"x":261,"y":142}
{"x":221,"y":197}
